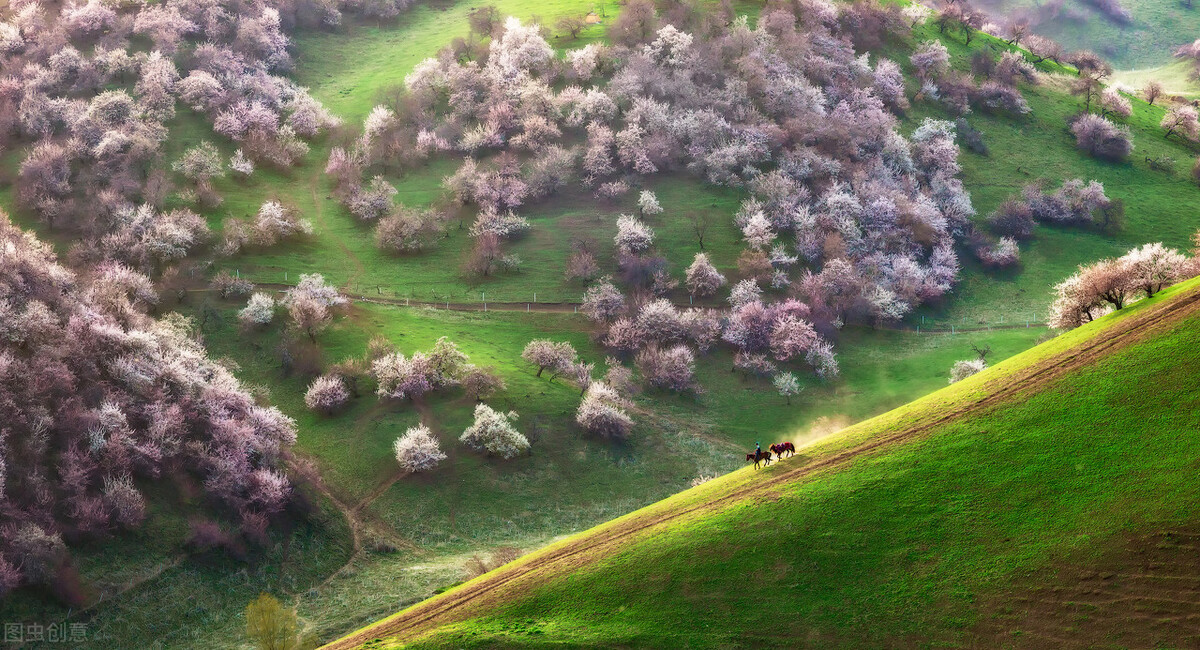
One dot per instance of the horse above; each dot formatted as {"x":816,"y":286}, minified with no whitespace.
{"x":781,"y":447}
{"x":763,"y":457}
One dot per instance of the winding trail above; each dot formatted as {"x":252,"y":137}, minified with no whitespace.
{"x":495,"y":587}
{"x":355,"y":520}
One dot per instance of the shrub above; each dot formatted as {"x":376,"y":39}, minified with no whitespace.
{"x":123,"y":499}
{"x":1012,"y":219}
{"x":1001,"y":254}
{"x":971,"y":137}
{"x":271,"y":625}
{"x":477,"y":566}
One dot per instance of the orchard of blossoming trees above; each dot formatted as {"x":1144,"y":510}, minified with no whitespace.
{"x":787,"y":110}
{"x":90,"y":103}
{"x":96,"y":397}
{"x":1098,"y":288}
{"x":855,"y":221}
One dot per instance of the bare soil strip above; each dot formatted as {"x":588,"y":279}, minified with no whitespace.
{"x":494,"y":587}
{"x":1143,"y":591}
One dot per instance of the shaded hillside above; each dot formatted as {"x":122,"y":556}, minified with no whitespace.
{"x":1017,"y":507}
{"x":1152,"y":32}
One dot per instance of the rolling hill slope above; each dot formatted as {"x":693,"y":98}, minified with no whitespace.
{"x":1049,"y":501}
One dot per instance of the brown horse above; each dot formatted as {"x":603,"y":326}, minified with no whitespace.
{"x":781,"y":447}
{"x":763,"y":457}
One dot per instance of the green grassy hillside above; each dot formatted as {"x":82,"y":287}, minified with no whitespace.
{"x":1149,"y":39}
{"x":973,"y":517}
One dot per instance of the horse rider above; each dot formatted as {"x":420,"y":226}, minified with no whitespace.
{"x":757,"y":449}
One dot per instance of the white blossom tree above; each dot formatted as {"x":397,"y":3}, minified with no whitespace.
{"x":418,"y":450}
{"x":326,"y":394}
{"x":648,"y":204}
{"x":602,"y":411}
{"x":963,"y":369}
{"x":633,"y":236}
{"x":702,"y":277}
{"x":259,"y":311}
{"x":494,"y":433}
{"x":787,"y":385}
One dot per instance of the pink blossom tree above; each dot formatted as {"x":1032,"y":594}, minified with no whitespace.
{"x":326,"y":394}
{"x":703,"y":279}
{"x":602,"y":412}
{"x":671,"y":368}
{"x":545,"y":354}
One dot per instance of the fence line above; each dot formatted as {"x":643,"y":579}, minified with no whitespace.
{"x":475,"y":300}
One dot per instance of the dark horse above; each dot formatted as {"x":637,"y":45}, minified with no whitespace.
{"x":781,"y":447}
{"x":763,"y":457}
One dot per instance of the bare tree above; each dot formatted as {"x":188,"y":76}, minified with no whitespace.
{"x":571,"y":25}
{"x":981,"y":352}
{"x":701,"y":221}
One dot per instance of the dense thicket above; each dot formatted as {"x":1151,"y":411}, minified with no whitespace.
{"x":97,"y":397}
{"x":89,"y":93}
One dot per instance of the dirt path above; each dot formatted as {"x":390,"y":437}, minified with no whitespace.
{"x":493,"y":588}
{"x":355,"y":520}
